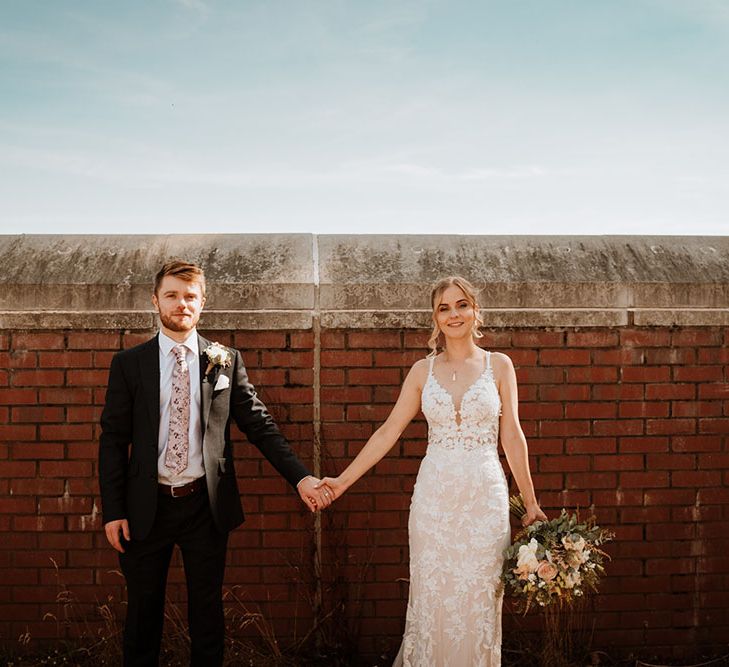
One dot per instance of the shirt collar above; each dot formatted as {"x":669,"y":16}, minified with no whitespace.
{"x":166,"y":343}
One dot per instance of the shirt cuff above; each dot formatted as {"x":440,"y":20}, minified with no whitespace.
{"x":302,"y":479}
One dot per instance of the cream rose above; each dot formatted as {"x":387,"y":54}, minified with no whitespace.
{"x":546,"y":570}
{"x":527,"y":559}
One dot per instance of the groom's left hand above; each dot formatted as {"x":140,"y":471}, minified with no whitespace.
{"x":315,"y":499}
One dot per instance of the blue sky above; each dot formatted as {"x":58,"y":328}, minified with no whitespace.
{"x":367,"y":116}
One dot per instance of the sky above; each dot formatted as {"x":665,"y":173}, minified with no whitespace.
{"x":364,"y":116}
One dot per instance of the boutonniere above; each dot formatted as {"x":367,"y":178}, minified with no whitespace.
{"x":217,"y":356}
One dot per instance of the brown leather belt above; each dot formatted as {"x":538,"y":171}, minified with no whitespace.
{"x":182,"y":490}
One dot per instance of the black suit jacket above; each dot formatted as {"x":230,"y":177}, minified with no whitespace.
{"x":128,"y":447}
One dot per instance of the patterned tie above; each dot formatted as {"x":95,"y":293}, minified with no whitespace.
{"x":178,"y":438}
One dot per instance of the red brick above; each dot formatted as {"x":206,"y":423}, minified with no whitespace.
{"x":644,"y":479}
{"x":373,"y":339}
{"x":538,"y":339}
{"x":623,"y":462}
{"x":618,"y":392}
{"x":133,"y":339}
{"x":87,"y":378}
{"x":43,"y":524}
{"x":17,"y":505}
{"x":696,"y":408}
{"x":709,"y":425}
{"x":564,"y":357}
{"x":37,"y":341}
{"x":373,"y":376}
{"x":622,"y":356}
{"x":540,"y":376}
{"x":64,"y":359}
{"x":564,"y":427}
{"x":695,"y":478}
{"x":718,"y":390}
{"x":592,"y":374}
{"x":590,"y":410}
{"x":17,"y":432}
{"x":709,"y":461}
{"x":64,"y":396}
{"x":591,"y":480}
{"x":696,"y":337}
{"x":592,"y":338}
{"x":94,"y":341}
{"x":645,"y":373}
{"x":349,"y":358}
{"x":36,"y":450}
{"x":301,"y":376}
{"x":346,"y":394}
{"x":670,"y":391}
{"x":37,"y":414}
{"x":18,"y":359}
{"x":282,"y":359}
{"x":698,"y":373}
{"x":263,"y":340}
{"x":66,"y":432}
{"x":404,"y":358}
{"x":644,"y":409}
{"x":713,"y":355}
{"x":36,"y":486}
{"x":572,"y":463}
{"x":696,"y":443}
{"x":564,"y":392}
{"x":670,"y":461}
{"x":669,"y":426}
{"x":43,"y":378}
{"x":591,"y":445}
{"x":18,"y":396}
{"x":301,"y":340}
{"x":617,"y":427}
{"x":333,"y":340}
{"x":65,"y":469}
{"x":83,"y":413}
{"x":658,"y":356}
{"x":65,"y":505}
{"x":645,"y":338}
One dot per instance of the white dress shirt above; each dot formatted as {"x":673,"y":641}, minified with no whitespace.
{"x":195,"y":467}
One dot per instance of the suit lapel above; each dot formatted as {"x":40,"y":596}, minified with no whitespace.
{"x":149,"y":374}
{"x":206,"y":387}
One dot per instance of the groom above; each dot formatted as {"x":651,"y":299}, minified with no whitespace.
{"x":166,"y":466}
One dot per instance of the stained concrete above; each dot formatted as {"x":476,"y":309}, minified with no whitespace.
{"x":284,"y":281}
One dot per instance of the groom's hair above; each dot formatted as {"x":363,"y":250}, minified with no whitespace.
{"x":179,"y":268}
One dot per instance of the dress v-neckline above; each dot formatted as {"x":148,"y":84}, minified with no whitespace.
{"x":457,"y":410}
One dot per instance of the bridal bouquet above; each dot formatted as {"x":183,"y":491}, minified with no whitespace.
{"x":554,"y":562}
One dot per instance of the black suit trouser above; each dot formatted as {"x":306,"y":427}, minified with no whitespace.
{"x":188,"y":523}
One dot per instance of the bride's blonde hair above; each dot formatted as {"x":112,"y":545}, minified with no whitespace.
{"x":470,"y":293}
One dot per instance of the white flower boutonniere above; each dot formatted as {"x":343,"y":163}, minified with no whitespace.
{"x":217,"y":356}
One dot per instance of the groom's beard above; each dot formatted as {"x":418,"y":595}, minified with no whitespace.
{"x":178,"y":324}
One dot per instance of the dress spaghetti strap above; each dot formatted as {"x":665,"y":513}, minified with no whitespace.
{"x":430,"y":365}
{"x":488,"y":360}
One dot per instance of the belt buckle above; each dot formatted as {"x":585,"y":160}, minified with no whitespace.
{"x":172,"y":490}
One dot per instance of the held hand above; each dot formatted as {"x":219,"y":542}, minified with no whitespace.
{"x":112,"y":533}
{"x":334,"y":486}
{"x":314,"y":497}
{"x":533,"y":513}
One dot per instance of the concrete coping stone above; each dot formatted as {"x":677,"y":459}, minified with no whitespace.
{"x":287,"y":281}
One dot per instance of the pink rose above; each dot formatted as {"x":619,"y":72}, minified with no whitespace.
{"x":546,"y":571}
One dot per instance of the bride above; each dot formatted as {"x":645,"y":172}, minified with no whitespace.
{"x":459,"y":514}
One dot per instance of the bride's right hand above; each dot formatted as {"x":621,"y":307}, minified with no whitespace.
{"x":334,"y":484}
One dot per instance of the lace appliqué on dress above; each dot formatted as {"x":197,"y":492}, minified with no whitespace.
{"x":458,"y":529}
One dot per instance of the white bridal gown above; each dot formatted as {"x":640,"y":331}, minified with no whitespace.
{"x":459,"y":528}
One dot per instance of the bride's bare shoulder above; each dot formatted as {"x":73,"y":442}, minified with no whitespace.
{"x":501,"y":360}
{"x":419,"y":371}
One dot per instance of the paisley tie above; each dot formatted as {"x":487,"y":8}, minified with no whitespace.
{"x":178,"y":438}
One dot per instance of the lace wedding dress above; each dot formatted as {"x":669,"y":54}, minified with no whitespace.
{"x":459,"y":528}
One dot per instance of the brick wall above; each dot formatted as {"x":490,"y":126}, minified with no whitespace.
{"x":632,"y":419}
